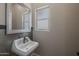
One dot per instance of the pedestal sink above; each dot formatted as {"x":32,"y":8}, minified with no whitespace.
{"x":24,"y":49}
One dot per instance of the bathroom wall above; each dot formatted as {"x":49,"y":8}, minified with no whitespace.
{"x":63,"y":34}
{"x":6,"y":40}
{"x":77,"y":41}
{"x":2,"y":14}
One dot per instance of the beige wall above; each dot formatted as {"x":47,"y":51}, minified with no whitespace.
{"x":63,"y":35}
{"x":2,"y":14}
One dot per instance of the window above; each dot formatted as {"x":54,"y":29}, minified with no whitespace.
{"x":42,"y":18}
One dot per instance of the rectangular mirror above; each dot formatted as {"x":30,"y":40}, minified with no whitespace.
{"x":18,"y":18}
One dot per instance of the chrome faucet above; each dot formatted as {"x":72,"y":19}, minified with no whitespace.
{"x":25,"y":39}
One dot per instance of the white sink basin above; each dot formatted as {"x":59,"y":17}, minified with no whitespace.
{"x":24,"y":49}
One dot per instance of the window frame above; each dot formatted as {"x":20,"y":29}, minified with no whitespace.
{"x":36,"y":20}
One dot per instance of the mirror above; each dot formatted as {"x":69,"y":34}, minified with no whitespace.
{"x":17,"y":13}
{"x":18,"y":18}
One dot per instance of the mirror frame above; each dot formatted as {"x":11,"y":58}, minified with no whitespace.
{"x":9,"y":29}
